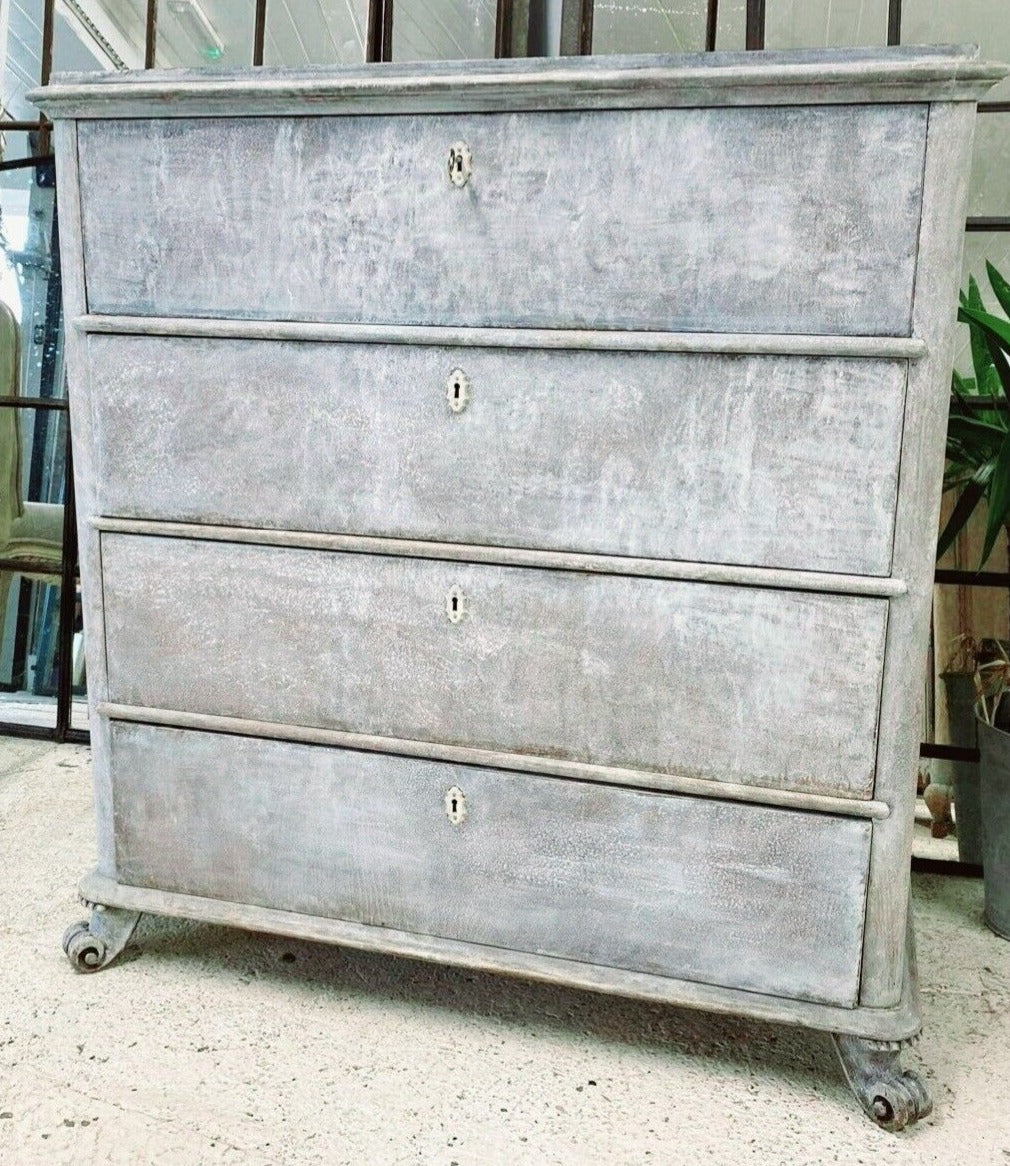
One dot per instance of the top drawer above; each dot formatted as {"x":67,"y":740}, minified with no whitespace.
{"x":787,"y":219}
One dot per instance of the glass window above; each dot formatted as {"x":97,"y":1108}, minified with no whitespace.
{"x":204,"y":34}
{"x":731,"y":26}
{"x":22,"y":67}
{"x":30,"y":612}
{"x":321,"y":32}
{"x":802,"y":24}
{"x":978,"y":247}
{"x":980,"y":22}
{"x":96,"y":35}
{"x":990,"y":173}
{"x":443,"y":30}
{"x":649,"y":26}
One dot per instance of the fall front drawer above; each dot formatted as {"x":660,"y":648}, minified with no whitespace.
{"x":751,"y":897}
{"x":760,"y":460}
{"x":636,"y":673}
{"x":743,"y":219}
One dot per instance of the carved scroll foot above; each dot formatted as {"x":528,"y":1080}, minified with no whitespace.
{"x":892,"y":1096}
{"x":93,"y":944}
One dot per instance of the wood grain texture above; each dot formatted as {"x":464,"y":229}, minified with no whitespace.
{"x":948,"y":164}
{"x":637,"y":673}
{"x":913,"y":73}
{"x":765,"y":461}
{"x":609,"y":340}
{"x":748,"y":897}
{"x":596,"y":564}
{"x":898,"y":1023}
{"x":489,"y":759}
{"x":85,"y":481}
{"x":774,"y":220}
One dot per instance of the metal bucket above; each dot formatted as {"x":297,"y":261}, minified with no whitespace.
{"x":994,"y":800}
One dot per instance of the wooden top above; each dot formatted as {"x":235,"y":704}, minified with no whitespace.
{"x":701,"y":79}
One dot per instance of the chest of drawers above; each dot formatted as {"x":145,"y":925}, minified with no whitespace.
{"x":507,"y":501}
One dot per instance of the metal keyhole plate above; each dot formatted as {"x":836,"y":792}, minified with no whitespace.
{"x":456,"y":605}
{"x":457,"y":390}
{"x":455,"y":805}
{"x":460,"y":164}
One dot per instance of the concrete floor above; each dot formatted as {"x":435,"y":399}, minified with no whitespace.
{"x":206,"y":1045}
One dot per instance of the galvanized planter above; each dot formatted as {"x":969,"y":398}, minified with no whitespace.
{"x":994,"y":770}
{"x":502,"y":491}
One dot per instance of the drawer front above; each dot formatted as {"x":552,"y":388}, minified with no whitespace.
{"x":730,"y":683}
{"x":748,"y":897}
{"x":767,"y":461}
{"x":759,"y":219}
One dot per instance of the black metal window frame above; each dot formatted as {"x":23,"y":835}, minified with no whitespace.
{"x":69,"y":566}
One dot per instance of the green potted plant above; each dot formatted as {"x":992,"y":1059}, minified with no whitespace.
{"x":978,"y":469}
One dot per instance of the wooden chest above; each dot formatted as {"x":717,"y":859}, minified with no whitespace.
{"x":508,"y":496}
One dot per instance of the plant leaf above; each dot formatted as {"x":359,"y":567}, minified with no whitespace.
{"x":1000,"y":287}
{"x":963,"y":509}
{"x":998,"y":499}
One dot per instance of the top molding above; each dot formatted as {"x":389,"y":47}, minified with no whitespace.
{"x":847,"y":76}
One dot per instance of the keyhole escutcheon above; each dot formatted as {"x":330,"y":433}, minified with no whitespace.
{"x":455,"y":805}
{"x":457,"y":390}
{"x":460,"y":164}
{"x":456,"y":606}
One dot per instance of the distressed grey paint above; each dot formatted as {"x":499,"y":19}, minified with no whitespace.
{"x":767,"y":461}
{"x":791,"y":220}
{"x":637,"y":673}
{"x":749,"y":897}
{"x":806,"y":77}
{"x":825,"y":254}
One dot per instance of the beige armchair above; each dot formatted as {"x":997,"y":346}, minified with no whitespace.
{"x":31,"y":533}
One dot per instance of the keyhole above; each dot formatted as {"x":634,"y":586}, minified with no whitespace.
{"x":460,"y":164}
{"x":455,"y":805}
{"x":455,"y":605}
{"x":457,"y":390}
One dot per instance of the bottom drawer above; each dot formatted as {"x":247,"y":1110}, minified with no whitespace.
{"x":742,"y":896}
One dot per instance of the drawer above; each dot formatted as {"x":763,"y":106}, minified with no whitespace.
{"x":749,"y":897}
{"x":743,"y":219}
{"x":763,"y":460}
{"x":648,"y":674}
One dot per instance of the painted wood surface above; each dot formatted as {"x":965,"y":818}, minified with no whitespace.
{"x":637,"y":673}
{"x":593,"y":564}
{"x":789,"y":799}
{"x":765,"y":461}
{"x":807,"y":76}
{"x":774,"y":220}
{"x":898,"y":1023}
{"x":605,"y":340}
{"x":748,"y":897}
{"x":948,"y":167}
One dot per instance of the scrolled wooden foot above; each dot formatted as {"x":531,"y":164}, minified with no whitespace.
{"x":93,"y":944}
{"x":892,"y":1096}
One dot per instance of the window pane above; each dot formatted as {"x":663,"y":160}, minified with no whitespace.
{"x":443,"y":30}
{"x":731,"y":26}
{"x":979,"y":22}
{"x":323,"y":32}
{"x":201,"y":34}
{"x":649,"y":26}
{"x":22,"y":68}
{"x":802,"y":24}
{"x":29,"y":634}
{"x":978,"y":247}
{"x":79,"y":681}
{"x":990,"y":174}
{"x":30,"y":277}
{"x":98,"y":35}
